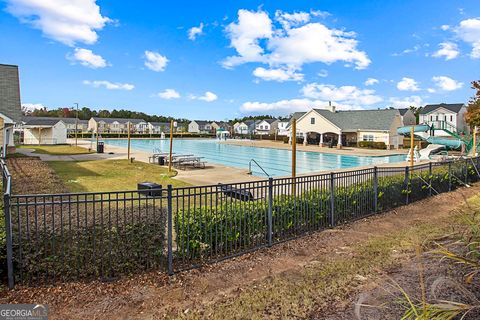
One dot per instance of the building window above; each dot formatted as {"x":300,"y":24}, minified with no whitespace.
{"x":312,"y":120}
{"x":368,"y":137}
{"x":451,"y":118}
{"x":437,"y":117}
{"x":431,"y":118}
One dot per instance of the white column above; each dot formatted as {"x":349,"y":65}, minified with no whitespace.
{"x":321,"y":140}
{"x":339,"y":144}
{"x":304,"y":138}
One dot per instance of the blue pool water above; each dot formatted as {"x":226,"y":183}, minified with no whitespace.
{"x":276,"y":162}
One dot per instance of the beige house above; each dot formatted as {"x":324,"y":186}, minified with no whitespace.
{"x":116,"y":125}
{"x":10,"y":107}
{"x":41,"y":130}
{"x":346,"y":128}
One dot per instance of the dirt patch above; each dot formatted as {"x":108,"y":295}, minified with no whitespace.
{"x":154,"y":295}
{"x":30,"y":175}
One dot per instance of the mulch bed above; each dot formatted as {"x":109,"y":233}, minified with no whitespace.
{"x":30,"y":175}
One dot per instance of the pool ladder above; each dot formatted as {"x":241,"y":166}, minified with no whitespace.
{"x":258,"y":165}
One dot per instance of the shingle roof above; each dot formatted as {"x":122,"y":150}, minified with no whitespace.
{"x":159,"y":124}
{"x":353,"y":120}
{"x":455,"y":107}
{"x":119,"y":120}
{"x":270,"y":121}
{"x":202,"y":122}
{"x":65,"y":120}
{"x":40,"y":121}
{"x":403,"y":111}
{"x":10,"y":92}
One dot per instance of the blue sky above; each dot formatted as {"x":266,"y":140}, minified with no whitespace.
{"x":240,"y":58}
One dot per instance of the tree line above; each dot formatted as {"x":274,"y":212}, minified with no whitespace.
{"x":86,"y":113}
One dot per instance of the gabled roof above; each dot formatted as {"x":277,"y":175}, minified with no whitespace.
{"x":353,"y":120}
{"x":201,"y":122}
{"x":454,"y":107}
{"x":40,"y":121}
{"x":119,"y":120}
{"x":65,"y":120}
{"x":159,"y":124}
{"x":270,"y":121}
{"x":403,"y":111}
{"x":10,"y":92}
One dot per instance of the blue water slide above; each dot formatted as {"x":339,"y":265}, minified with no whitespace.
{"x":417,"y":128}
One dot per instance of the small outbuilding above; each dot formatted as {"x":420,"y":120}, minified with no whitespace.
{"x":44,"y":131}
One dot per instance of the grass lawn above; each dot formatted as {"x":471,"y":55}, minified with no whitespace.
{"x":56,"y":150}
{"x":110,"y":175}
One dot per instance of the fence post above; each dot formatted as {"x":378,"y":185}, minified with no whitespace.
{"x":430,"y":179}
{"x":466,"y":171}
{"x":375,"y":189}
{"x":270,"y":205}
{"x":332,"y":199}
{"x":449,"y":176}
{"x":170,"y":230}
{"x":8,"y":233}
{"x":406,"y":183}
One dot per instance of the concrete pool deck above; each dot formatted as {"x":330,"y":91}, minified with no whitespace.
{"x":213,"y":173}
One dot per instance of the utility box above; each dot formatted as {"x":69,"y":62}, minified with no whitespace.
{"x":149,"y":189}
{"x":100,"y":147}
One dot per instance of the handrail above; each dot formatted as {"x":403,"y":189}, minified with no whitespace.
{"x":258,"y":165}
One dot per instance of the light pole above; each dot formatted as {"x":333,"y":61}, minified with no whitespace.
{"x":76,"y":126}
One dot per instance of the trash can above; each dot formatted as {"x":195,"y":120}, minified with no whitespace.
{"x":100,"y":147}
{"x":161,"y":161}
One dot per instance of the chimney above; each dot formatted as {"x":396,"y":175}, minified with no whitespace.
{"x":330,"y":107}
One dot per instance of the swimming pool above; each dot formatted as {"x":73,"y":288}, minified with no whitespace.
{"x":276,"y":162}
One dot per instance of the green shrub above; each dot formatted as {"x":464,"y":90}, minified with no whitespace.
{"x":372,"y":145}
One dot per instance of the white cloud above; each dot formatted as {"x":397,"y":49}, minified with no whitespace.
{"x":323,"y":73}
{"x":349,"y":95}
{"x":295,"y":42}
{"x":87,"y":58}
{"x":449,"y":50}
{"x":469,"y":31}
{"x":30,"y":107}
{"x":155,"y":61}
{"x":371,"y":81}
{"x":407,"y":84}
{"x":406,"y":102}
{"x":431,"y":90}
{"x":195,"y":31}
{"x":66,"y":21}
{"x":109,"y":85}
{"x":446,"y":83}
{"x":208,"y":97}
{"x":286,"y":106}
{"x":245,"y":35}
{"x":407,"y":51}
{"x":445,"y":27}
{"x":169,"y":94}
{"x":287,"y":20}
{"x":279,"y":75}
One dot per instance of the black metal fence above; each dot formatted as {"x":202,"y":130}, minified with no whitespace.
{"x":60,"y":237}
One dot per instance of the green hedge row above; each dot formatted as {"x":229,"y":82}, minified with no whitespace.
{"x":372,"y":145}
{"x":237,"y":226}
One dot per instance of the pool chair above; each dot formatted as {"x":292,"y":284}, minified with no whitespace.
{"x":240,"y":194}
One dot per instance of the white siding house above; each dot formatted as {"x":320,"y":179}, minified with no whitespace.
{"x":282,"y":128}
{"x":44,"y":131}
{"x":447,"y":116}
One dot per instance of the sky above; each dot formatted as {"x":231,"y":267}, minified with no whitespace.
{"x":218,"y":60}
